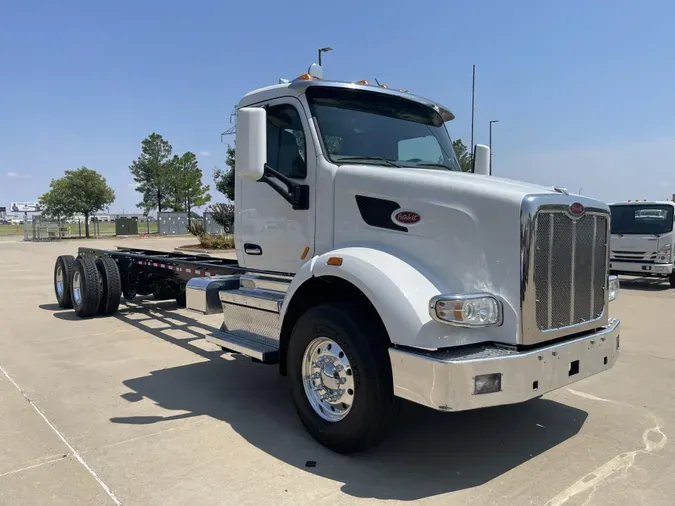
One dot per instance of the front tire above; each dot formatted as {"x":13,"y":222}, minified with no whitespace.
{"x":671,"y":279}
{"x":340,"y":376}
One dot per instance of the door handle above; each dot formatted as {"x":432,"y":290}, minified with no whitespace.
{"x":252,"y":249}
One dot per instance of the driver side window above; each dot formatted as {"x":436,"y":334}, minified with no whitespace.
{"x":286,"y":150}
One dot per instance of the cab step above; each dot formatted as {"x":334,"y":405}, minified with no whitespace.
{"x":251,"y":318}
{"x":276,"y":283}
{"x":250,"y":346}
{"x":254,"y":298}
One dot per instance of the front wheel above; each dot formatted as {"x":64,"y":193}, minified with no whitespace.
{"x":340,"y":376}
{"x":671,"y":278}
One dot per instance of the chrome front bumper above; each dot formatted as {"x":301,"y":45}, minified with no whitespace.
{"x":445,"y":379}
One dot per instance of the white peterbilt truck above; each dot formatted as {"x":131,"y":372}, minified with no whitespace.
{"x":642,"y":241}
{"x":370,"y":268}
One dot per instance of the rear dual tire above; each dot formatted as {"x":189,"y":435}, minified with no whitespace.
{"x":91,"y":286}
{"x":63,"y":273}
{"x":86,"y":287}
{"x":111,"y":286}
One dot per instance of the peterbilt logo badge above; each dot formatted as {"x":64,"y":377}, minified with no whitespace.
{"x":407,"y":217}
{"x":577,"y":209}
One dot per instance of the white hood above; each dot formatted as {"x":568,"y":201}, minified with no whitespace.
{"x":467,"y":240}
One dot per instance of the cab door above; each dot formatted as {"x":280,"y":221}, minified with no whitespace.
{"x":272,"y":235}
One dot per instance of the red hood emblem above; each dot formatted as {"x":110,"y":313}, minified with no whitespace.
{"x":577,"y":209}
{"x":407,"y":217}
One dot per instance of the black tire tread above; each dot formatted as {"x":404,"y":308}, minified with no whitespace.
{"x":67,"y":263}
{"x":181,"y":299}
{"x":90,"y":290}
{"x":112,"y":286}
{"x":364,"y":339}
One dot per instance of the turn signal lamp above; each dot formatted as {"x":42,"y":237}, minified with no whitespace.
{"x":613,"y":286}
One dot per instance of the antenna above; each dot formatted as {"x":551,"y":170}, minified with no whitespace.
{"x":378,"y":82}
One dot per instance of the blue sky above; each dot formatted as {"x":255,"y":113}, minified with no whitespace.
{"x":584,"y":91}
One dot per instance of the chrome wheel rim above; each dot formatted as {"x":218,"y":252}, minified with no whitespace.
{"x":59,"y":281}
{"x":328,"y":379}
{"x":77,"y":288}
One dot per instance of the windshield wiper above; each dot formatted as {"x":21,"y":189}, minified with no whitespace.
{"x":369,"y":158}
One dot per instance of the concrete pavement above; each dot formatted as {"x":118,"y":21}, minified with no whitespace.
{"x":158,"y":416}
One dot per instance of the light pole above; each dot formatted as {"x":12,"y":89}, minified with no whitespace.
{"x":323,"y":50}
{"x":490,"y":142}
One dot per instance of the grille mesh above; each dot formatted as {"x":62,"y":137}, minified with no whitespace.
{"x":569,"y":269}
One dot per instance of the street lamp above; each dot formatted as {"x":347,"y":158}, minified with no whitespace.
{"x":490,"y":142}
{"x":323,"y":50}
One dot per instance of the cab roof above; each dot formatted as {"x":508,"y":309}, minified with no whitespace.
{"x":298,"y":87}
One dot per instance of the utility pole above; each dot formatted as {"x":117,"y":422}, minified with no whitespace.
{"x":473,"y":104}
{"x":490,"y":142}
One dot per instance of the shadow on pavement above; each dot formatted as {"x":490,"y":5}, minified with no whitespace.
{"x":428,"y":452}
{"x":52,"y":307}
{"x":645,"y":284}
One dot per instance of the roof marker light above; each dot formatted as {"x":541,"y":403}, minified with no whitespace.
{"x":363,"y":81}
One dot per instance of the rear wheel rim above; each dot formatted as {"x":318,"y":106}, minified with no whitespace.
{"x":59,"y":282}
{"x":328,"y":379}
{"x":77,"y":288}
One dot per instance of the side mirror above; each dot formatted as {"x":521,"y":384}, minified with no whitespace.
{"x":251,"y":142}
{"x":481,"y":160}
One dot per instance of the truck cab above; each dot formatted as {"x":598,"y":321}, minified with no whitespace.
{"x":371,"y":269}
{"x":642,"y":240}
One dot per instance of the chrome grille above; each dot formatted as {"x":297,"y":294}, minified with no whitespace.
{"x":569,"y":269}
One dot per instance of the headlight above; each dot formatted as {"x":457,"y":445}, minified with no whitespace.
{"x":613,"y":287}
{"x":475,"y":310}
{"x":664,"y":253}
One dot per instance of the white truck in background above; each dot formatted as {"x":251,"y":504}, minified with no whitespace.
{"x":371,"y":269}
{"x":643,"y":240}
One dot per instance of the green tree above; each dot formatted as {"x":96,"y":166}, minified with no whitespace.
{"x":153,"y":173}
{"x":224,"y":179}
{"x":82,"y":191}
{"x":463,"y":156}
{"x":187,"y":184}
{"x":56,"y":202}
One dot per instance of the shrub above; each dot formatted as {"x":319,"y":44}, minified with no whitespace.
{"x":208,"y":241}
{"x":196,"y":228}
{"x":223,"y":215}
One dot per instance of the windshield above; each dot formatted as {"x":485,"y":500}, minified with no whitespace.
{"x":642,"y":220}
{"x":364,"y":126}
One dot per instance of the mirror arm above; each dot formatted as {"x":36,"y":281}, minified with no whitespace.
{"x":295,"y":194}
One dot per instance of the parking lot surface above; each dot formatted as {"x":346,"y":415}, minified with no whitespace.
{"x":137,"y":409}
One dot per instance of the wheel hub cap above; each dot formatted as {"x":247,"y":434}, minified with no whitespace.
{"x":327,"y":378}
{"x":59,"y":281}
{"x":77,"y":292}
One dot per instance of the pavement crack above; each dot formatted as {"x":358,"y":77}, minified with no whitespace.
{"x":39,"y":464}
{"x":653,"y":440}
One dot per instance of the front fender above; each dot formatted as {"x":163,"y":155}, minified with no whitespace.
{"x":399,"y":292}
